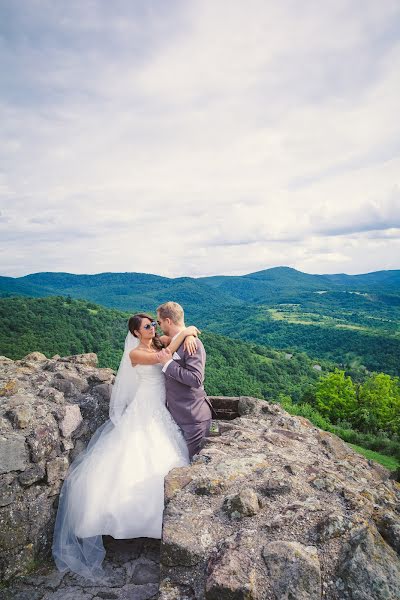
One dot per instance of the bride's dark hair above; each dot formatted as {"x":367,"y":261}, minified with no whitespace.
{"x":134,"y":324}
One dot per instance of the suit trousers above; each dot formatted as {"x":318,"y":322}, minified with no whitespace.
{"x":194,"y":434}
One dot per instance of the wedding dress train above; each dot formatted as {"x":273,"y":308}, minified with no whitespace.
{"x":116,"y":486}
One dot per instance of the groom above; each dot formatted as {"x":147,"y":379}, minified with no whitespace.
{"x":184,"y":378}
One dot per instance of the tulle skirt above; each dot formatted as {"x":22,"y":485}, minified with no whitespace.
{"x":116,"y":486}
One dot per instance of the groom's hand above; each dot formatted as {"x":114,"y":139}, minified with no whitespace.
{"x":164,"y":356}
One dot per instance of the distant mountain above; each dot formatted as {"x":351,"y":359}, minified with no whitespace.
{"x":124,"y":290}
{"x":271,"y":285}
{"x":118,"y":290}
{"x":20,"y":286}
{"x":284,"y":284}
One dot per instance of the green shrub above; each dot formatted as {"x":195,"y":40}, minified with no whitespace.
{"x":377,"y":442}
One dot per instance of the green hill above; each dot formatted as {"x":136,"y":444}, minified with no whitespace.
{"x":280,"y":284}
{"x":59,"y":325}
{"x":284,"y":284}
{"x":276,"y":285}
{"x":118,"y":290}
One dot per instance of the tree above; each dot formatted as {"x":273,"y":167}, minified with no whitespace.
{"x":379,"y":404}
{"x":335,"y":396}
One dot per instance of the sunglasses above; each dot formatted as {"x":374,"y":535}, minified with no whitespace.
{"x":150,"y":325}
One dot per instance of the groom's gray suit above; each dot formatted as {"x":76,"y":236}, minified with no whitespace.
{"x":186,"y":399}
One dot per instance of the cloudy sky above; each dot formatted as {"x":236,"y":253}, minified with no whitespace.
{"x":199,"y":137}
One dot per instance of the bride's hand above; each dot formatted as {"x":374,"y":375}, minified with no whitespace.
{"x":192,"y":330}
{"x":164,"y":356}
{"x":190,"y":344}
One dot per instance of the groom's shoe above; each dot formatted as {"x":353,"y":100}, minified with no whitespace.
{"x":214,"y":429}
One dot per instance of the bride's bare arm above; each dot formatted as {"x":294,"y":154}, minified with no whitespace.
{"x":165,"y":340}
{"x":141,"y":357}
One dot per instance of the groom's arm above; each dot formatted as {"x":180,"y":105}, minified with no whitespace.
{"x":192,"y":374}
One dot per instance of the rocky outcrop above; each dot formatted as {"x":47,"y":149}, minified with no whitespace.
{"x":273,"y":508}
{"x":49,"y":408}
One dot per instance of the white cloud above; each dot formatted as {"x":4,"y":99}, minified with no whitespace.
{"x":197,"y":140}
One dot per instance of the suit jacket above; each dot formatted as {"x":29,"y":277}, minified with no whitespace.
{"x":186,"y":399}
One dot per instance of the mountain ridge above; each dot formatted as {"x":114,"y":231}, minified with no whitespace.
{"x":276,"y":284}
{"x":280,"y":268}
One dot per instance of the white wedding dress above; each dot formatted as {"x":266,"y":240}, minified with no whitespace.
{"x":116,"y":486}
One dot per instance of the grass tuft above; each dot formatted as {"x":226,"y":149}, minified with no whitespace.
{"x":390,"y":462}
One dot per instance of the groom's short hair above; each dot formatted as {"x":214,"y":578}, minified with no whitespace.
{"x":173,"y":311}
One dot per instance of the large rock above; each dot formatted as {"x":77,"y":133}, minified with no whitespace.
{"x":21,"y":416}
{"x":293,"y":569}
{"x":32,"y":474}
{"x":71,"y":420}
{"x":14,"y":526}
{"x":187,"y":538}
{"x":231,"y":570}
{"x":57,"y":468}
{"x":369,"y":568}
{"x":177,"y":479}
{"x":41,"y":430}
{"x":275,"y":509}
{"x":44,"y":440}
{"x":103,"y":390}
{"x":388,"y":526}
{"x":35,"y":357}
{"x":244,"y":504}
{"x":13,"y":452}
{"x":9,"y":488}
{"x":89,"y":360}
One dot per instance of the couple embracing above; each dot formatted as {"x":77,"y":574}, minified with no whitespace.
{"x":159,"y":417}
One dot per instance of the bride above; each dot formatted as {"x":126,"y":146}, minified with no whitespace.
{"x":116,"y":486}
